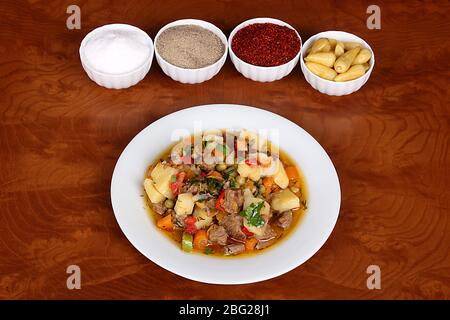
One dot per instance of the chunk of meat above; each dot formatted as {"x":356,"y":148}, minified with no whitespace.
{"x":233,"y":249}
{"x":233,"y":201}
{"x":211,"y":207}
{"x":211,"y":203}
{"x":269,"y":234}
{"x":284,"y":219}
{"x":159,"y":208}
{"x":177,"y":220}
{"x":217,"y":235}
{"x":263,"y":244}
{"x":194,"y":188}
{"x":233,"y":225}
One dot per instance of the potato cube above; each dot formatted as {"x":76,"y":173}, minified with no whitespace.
{"x":161,"y":175}
{"x":285,"y":200}
{"x":154,"y":195}
{"x":185,"y":204}
{"x":280,"y":177}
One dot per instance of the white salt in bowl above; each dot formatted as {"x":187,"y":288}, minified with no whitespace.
{"x":116,"y":80}
{"x":333,"y":88}
{"x":192,"y":76}
{"x":258,"y":73}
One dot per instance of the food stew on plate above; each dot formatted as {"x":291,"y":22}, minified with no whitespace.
{"x":225,"y":193}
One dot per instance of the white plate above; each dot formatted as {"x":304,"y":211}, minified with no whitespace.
{"x":313,"y":230}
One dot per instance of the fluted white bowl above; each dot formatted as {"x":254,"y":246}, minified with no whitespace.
{"x":192,"y":76}
{"x":112,"y":80}
{"x":257,"y":73}
{"x":333,"y":88}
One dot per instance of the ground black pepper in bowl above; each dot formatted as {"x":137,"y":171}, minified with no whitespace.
{"x":189,"y":46}
{"x":266,"y":44}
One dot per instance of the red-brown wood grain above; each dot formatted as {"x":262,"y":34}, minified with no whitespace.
{"x":61,"y":134}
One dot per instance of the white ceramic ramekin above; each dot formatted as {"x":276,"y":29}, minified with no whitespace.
{"x":257,"y":73}
{"x":333,"y":88}
{"x":192,"y":76}
{"x":122,"y":80}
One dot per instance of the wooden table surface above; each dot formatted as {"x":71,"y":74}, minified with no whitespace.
{"x":61,"y":134}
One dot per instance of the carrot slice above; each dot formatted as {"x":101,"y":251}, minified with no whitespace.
{"x":165,"y":223}
{"x":268,"y":184}
{"x":292,"y":172}
{"x":250,"y":244}
{"x":200,"y":240}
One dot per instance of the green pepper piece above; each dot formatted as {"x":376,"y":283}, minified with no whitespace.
{"x":187,"y":242}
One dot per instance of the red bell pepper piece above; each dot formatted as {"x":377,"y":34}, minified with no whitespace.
{"x":189,"y":225}
{"x":247,"y":232}
{"x":176,"y":186}
{"x":219,"y":201}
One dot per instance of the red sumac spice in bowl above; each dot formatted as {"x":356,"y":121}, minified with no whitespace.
{"x":266,"y":44}
{"x":264,"y":49}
